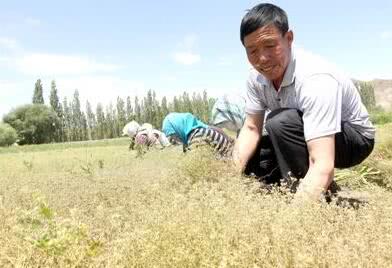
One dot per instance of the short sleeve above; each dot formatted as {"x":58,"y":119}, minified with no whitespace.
{"x":321,"y":104}
{"x":163,"y":140}
{"x":254,"y":102}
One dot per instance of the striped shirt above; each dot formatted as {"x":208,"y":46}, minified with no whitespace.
{"x":212,"y":136}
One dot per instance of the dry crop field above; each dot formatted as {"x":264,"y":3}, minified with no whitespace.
{"x":96,"y":204}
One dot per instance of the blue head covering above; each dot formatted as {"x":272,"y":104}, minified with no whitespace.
{"x":181,"y":124}
{"x":229,"y":108}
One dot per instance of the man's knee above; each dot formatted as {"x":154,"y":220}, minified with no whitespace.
{"x":278,"y":119}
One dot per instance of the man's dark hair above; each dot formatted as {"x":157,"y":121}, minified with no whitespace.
{"x":263,"y":15}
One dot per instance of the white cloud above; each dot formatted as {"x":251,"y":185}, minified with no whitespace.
{"x":4,"y":60}
{"x":386,"y":35}
{"x":41,"y":64}
{"x":185,"y":54}
{"x":94,"y":88}
{"x":49,"y":64}
{"x":7,"y":87}
{"x":186,"y":58}
{"x":10,"y":95}
{"x":374,"y":73}
{"x":169,"y":78}
{"x":189,"y":42}
{"x":8,"y":43}
{"x":312,"y":57}
{"x":314,"y":60}
{"x":224,"y":61}
{"x":32,"y":21}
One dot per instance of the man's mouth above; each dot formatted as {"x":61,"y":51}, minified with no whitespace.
{"x":267,"y":69}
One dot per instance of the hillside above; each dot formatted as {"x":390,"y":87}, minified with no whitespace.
{"x":383,"y":92}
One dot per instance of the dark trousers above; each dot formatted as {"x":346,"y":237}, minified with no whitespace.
{"x":284,"y":150}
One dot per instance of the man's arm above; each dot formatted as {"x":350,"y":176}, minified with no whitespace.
{"x":321,"y":166}
{"x":248,"y":139}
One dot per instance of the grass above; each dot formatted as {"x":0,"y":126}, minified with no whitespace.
{"x":381,"y":117}
{"x":98,"y":205}
{"x":64,"y":146}
{"x":375,"y":170}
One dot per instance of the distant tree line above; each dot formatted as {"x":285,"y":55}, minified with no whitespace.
{"x":65,"y":121}
{"x":366,"y":90}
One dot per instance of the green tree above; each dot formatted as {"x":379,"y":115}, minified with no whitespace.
{"x":91,"y":122}
{"x":148,"y":107}
{"x":156,"y":111}
{"x":84,"y":127}
{"x":38,"y":97}
{"x":207,"y":104}
{"x":100,"y":122}
{"x":176,"y":105}
{"x":110,"y":125}
{"x":198,"y":108}
{"x":138,"y":115}
{"x":77,"y":120}
{"x":164,"y":107}
{"x":121,"y":115}
{"x":129,"y":110}
{"x":8,"y":135}
{"x":34,"y":123}
{"x":366,"y":90}
{"x":186,"y":103}
{"x":53,"y":98}
{"x":56,"y":105}
{"x":67,"y":121}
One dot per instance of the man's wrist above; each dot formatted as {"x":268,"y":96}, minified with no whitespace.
{"x":237,"y":162}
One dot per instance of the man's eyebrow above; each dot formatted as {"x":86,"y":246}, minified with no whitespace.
{"x":261,"y":39}
{"x":262,"y":42}
{"x":267,"y":39}
{"x":251,"y":47}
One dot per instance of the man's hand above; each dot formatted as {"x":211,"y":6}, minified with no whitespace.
{"x":321,"y":167}
{"x":247,"y":141}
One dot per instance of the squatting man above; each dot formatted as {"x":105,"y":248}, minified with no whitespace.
{"x":317,"y":120}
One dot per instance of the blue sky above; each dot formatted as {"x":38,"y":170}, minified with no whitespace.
{"x":116,"y":48}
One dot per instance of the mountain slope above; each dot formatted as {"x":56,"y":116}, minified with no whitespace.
{"x":383,"y":92}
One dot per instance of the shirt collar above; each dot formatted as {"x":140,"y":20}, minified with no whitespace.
{"x":289,"y":74}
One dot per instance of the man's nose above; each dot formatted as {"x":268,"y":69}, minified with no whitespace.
{"x":263,"y":58}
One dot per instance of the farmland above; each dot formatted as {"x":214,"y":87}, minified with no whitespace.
{"x":96,"y":204}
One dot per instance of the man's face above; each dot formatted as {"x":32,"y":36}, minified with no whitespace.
{"x":269,"y":52}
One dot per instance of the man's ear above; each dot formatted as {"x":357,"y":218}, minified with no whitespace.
{"x":289,"y":37}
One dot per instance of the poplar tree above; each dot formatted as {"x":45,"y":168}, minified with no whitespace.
{"x":100,"y":122}
{"x":84,"y":127}
{"x":129,"y":109}
{"x":110,"y":125}
{"x":38,"y":97}
{"x":137,"y":110}
{"x":77,"y":123}
{"x":121,"y":119}
{"x":91,"y":122}
{"x":56,"y":106}
{"x":67,"y":121}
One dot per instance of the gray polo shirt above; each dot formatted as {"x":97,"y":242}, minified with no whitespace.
{"x":312,"y":86}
